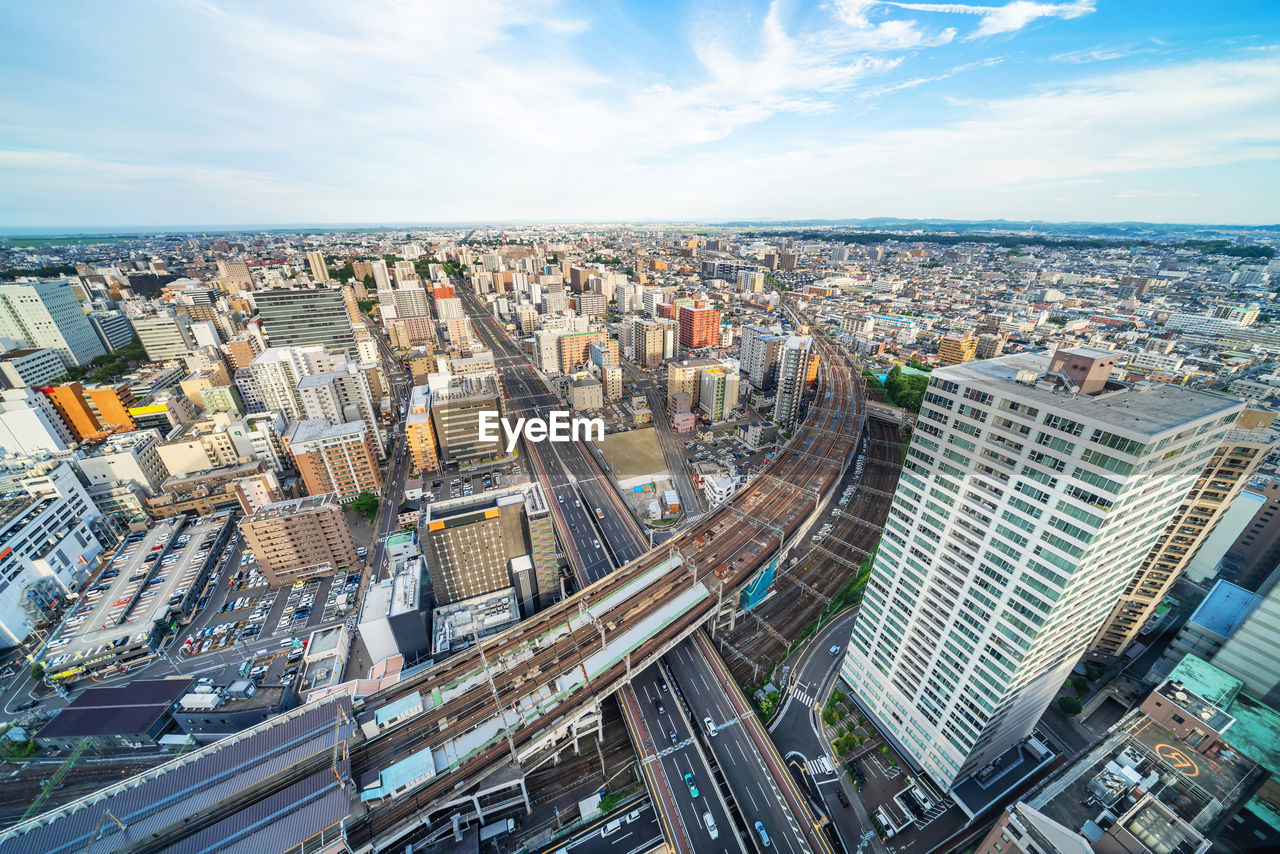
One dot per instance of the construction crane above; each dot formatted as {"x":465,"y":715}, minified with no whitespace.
{"x":55,"y":779}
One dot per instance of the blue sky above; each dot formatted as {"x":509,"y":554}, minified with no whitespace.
{"x":205,"y":112}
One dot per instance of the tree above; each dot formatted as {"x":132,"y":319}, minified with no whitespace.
{"x":1080,"y":684}
{"x":366,"y":504}
{"x":1070,"y":705}
{"x":37,"y":672}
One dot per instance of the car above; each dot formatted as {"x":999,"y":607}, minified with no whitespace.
{"x":662,"y":710}
{"x":710,"y":725}
{"x":693,"y":787}
{"x":834,"y":650}
{"x":596,"y":543}
{"x":844,"y":799}
{"x":29,"y":704}
{"x":710,"y":822}
{"x":764,"y":837}
{"x":671,"y":734}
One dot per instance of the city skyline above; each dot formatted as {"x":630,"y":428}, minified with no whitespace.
{"x":214,"y":113}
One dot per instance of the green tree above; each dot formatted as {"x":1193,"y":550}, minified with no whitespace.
{"x":37,"y":671}
{"x":366,"y":504}
{"x":365,"y":306}
{"x":1070,"y":705}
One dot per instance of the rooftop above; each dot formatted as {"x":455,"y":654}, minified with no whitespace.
{"x":1145,"y":408}
{"x":291,"y":507}
{"x":125,"y":710}
{"x":1256,"y":731}
{"x":1225,"y":608}
{"x":313,"y":429}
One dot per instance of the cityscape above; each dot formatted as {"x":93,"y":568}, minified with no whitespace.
{"x":563,"y":495}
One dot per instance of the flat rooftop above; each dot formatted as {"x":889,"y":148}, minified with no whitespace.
{"x":124,"y":614}
{"x":311,"y":429}
{"x":1145,"y":408}
{"x":290,"y":508}
{"x":1225,"y":608}
{"x":124,"y":710}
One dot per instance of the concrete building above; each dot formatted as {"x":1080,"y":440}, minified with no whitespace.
{"x":1210,"y":625}
{"x":1251,"y":653}
{"x":36,"y":315}
{"x":699,"y":326}
{"x":305,"y":316}
{"x":958,"y":347}
{"x":337,"y":458}
{"x":300,"y":538}
{"x":47,"y":548}
{"x":208,"y":711}
{"x":165,"y":336}
{"x":793,"y":373}
{"x":474,"y":545}
{"x":647,"y":342}
{"x":132,"y":457}
{"x":113,"y":328}
{"x":718,"y":393}
{"x":319,"y":270}
{"x":586,"y":394}
{"x":31,"y":424}
{"x":458,"y":625}
{"x":575,"y":349}
{"x":1251,"y":560}
{"x":760,"y":351}
{"x":30,"y":367}
{"x":420,"y":432}
{"x":969,"y":628}
{"x":1235,"y":460}
{"x":118,"y":718}
{"x":391,"y":620}
{"x":456,"y":404}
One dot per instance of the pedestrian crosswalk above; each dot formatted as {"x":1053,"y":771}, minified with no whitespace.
{"x":819,"y":767}
{"x":802,"y":695}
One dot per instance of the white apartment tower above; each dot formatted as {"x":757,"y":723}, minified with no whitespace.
{"x":793,"y":368}
{"x":1032,"y":491}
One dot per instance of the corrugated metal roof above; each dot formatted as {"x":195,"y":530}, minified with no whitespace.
{"x":151,"y":802}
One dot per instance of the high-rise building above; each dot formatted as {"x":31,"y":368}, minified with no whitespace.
{"x":305,"y":316}
{"x":719,"y":392}
{"x":337,"y":458}
{"x":793,"y":372}
{"x":474,"y":546}
{"x":420,"y":433}
{"x":1242,"y":451}
{"x":30,"y":423}
{"x":1251,"y":560}
{"x":699,"y":326}
{"x":760,"y":352}
{"x":575,"y":349}
{"x":30,"y":367}
{"x":319,"y":270}
{"x":235,"y":271}
{"x":299,"y":538}
{"x":456,"y":404}
{"x":47,"y":314}
{"x":113,"y":328}
{"x":648,"y":343}
{"x":381,"y":278}
{"x":958,"y":347}
{"x":1032,"y":491}
{"x":165,"y":336}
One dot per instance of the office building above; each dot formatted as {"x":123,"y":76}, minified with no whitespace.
{"x":1251,"y":560}
{"x":113,"y":329}
{"x":36,"y":315}
{"x":699,"y":326}
{"x":1210,"y":625}
{"x":586,"y":394}
{"x":47,"y":548}
{"x":392,"y":621}
{"x":260,"y":436}
{"x":1251,"y":653}
{"x":300,"y":538}
{"x":337,"y":458}
{"x":1033,"y":489}
{"x":1242,"y":451}
{"x":319,"y":270}
{"x":132,"y":457}
{"x":474,"y":544}
{"x":958,"y":347}
{"x":30,"y":367}
{"x":165,"y":336}
{"x":792,"y":379}
{"x":31,"y":424}
{"x":73,"y":409}
{"x":305,"y":316}
{"x":456,"y":404}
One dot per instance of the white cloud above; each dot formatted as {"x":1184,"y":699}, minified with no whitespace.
{"x":1008,"y":18}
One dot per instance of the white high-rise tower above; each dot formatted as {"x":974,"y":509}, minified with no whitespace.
{"x":1032,"y":491}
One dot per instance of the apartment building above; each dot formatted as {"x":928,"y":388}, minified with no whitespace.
{"x":1033,"y":489}
{"x":958,"y":347}
{"x":699,"y":326}
{"x":648,"y":343}
{"x":718,"y":394}
{"x":300,"y":538}
{"x":792,"y":379}
{"x":337,"y":458}
{"x":575,"y":349}
{"x":419,"y":431}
